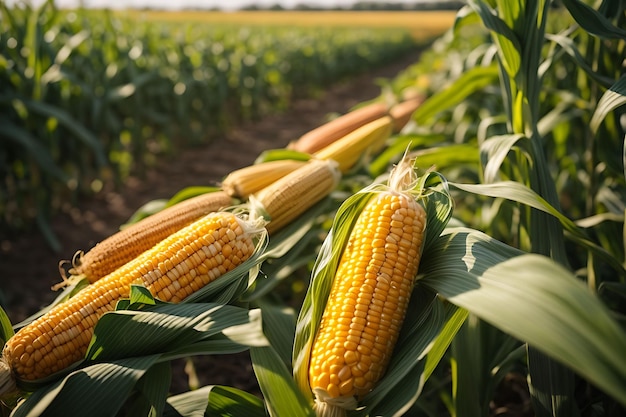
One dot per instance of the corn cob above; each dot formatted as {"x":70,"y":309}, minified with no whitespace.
{"x":176,"y":267}
{"x":293,"y":194}
{"x":248,"y":180}
{"x":128,"y":243}
{"x":327,"y":133}
{"x":368,"y":301}
{"x":349,"y":149}
{"x":401,"y":113}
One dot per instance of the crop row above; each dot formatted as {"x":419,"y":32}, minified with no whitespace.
{"x":87,"y":97}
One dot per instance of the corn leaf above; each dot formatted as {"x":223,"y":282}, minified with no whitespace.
{"x":281,"y":154}
{"x":279,"y":326}
{"x":282,"y":396}
{"x":509,"y":47}
{"x":188,"y":404}
{"x":398,"y":146}
{"x":67,"y":120}
{"x":449,"y":156}
{"x":509,"y":289}
{"x":473,"y":80}
{"x":161,"y":329}
{"x":466,"y":16}
{"x":592,"y":21}
{"x":189,"y":192}
{"x":214,"y":400}
{"x":493,"y":153}
{"x":227,"y":401}
{"x":6,"y":330}
{"x":152,"y":389}
{"x":96,"y":390}
{"x":569,"y":46}
{"x":33,"y":147}
{"x":613,"y":98}
{"x":518,"y":192}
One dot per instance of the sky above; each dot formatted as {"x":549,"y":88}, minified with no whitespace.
{"x":223,"y":4}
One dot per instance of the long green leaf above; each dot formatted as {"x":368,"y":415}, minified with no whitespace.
{"x":68,"y":121}
{"x":152,"y":388}
{"x":613,"y":98}
{"x":33,"y":147}
{"x":511,"y":290}
{"x":93,"y":391}
{"x":188,"y":404}
{"x":227,"y":401}
{"x":161,"y":329}
{"x":282,"y":396}
{"x":509,"y":47}
{"x":493,"y":153}
{"x":592,"y":21}
{"x":472,"y":80}
{"x":518,"y":192}
{"x":570,"y":47}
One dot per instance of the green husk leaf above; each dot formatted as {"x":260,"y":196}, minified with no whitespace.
{"x":280,"y":154}
{"x":188,"y":404}
{"x":228,"y":401}
{"x":94,"y":390}
{"x":189,"y":192}
{"x":152,"y":389}
{"x":6,"y":329}
{"x":282,"y":396}
{"x":161,"y":329}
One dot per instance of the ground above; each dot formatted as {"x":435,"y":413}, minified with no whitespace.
{"x":29,"y":268}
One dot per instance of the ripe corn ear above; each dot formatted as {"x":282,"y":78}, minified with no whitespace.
{"x":401,"y":113}
{"x":349,"y":149}
{"x":176,"y":267}
{"x":248,"y":180}
{"x":128,"y":243}
{"x":367,"y":302}
{"x":327,"y":133}
{"x":293,"y":194}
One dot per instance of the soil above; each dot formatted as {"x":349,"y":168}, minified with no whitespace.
{"x":28,"y":267}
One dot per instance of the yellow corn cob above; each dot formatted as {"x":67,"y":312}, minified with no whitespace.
{"x":401,"y":113}
{"x":327,"y":133}
{"x":293,"y":194}
{"x":349,"y":149}
{"x":175,"y":268}
{"x":248,"y":180}
{"x":128,"y":243}
{"x":367,"y":303}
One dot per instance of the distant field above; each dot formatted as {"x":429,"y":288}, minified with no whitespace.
{"x":421,"y":24}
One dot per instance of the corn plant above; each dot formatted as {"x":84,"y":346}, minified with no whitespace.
{"x":519,"y":272}
{"x":90,"y":97}
{"x":531,"y":149}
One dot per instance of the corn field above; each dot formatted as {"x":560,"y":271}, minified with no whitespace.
{"x":89,"y":97}
{"x":515,"y":156}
